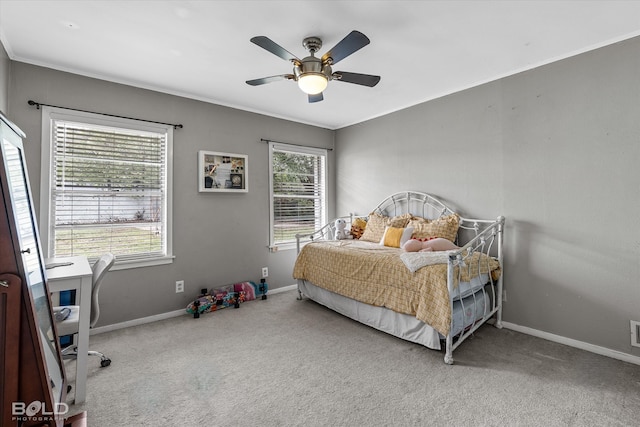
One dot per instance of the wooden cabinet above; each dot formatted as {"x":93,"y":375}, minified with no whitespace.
{"x":31,"y":370}
{"x":10,"y":302}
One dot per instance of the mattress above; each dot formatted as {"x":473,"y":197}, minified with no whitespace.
{"x":471,"y":308}
{"x":377,"y":275}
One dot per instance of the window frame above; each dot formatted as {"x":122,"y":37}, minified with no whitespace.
{"x":295,"y":149}
{"x":49,"y":115}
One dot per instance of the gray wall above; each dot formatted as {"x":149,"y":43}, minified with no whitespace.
{"x":553,"y":149}
{"x":4,"y":79}
{"x":218,"y":238}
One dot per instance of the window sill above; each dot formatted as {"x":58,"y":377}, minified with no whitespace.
{"x":282,"y":247}
{"x":127,"y":264}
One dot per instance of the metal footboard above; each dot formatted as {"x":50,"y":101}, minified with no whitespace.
{"x":487,"y":241}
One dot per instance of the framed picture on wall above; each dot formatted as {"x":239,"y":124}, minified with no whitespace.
{"x":222,"y":172}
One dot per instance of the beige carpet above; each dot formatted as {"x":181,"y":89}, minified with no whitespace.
{"x":284,"y":362}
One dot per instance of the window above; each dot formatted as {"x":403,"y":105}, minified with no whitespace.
{"x":106,"y":188}
{"x":298,"y":191}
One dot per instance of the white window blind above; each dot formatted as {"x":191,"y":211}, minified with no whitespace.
{"x":298,"y":191}
{"x":108,"y":191}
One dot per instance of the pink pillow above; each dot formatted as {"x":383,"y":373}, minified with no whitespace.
{"x":436,"y":244}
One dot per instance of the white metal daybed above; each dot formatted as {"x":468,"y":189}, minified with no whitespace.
{"x":417,"y":296}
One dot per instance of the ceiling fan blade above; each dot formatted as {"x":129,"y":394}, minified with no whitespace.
{"x":264,"y":80}
{"x":359,"y":79}
{"x":268,"y":44}
{"x":315,"y":98}
{"x":353,"y":42}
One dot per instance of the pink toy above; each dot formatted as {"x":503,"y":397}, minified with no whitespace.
{"x":436,"y":244}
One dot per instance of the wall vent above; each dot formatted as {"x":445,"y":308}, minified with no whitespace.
{"x":635,"y":333}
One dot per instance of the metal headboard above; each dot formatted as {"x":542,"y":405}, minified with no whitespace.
{"x":415,"y":203}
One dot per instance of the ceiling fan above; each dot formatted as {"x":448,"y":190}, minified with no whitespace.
{"x":313,"y":74}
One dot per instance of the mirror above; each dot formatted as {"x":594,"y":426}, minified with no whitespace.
{"x":32,"y":254}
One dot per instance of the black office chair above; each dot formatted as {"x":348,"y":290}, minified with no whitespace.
{"x":68,"y":317}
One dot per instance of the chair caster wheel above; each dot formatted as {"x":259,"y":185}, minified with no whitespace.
{"x":105,"y":362}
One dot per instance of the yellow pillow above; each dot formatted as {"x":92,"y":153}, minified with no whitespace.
{"x":445,"y":227}
{"x":395,"y":237}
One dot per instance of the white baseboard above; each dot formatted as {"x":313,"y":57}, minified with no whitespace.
{"x":136,"y":322}
{"x":603,"y":351}
{"x":162,"y":316}
{"x":284,"y":289}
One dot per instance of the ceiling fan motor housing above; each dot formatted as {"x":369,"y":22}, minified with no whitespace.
{"x":311,"y":65}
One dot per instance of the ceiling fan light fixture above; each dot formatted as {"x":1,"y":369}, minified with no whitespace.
{"x":312,"y":83}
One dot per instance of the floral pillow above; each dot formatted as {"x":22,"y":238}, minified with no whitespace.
{"x":445,"y":227}
{"x":377,"y":224}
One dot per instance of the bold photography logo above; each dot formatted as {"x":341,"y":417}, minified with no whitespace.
{"x":37,"y":411}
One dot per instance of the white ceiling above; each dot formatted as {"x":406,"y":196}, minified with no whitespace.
{"x":201,"y":49}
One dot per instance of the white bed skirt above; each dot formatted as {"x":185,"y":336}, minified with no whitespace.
{"x":397,"y":324}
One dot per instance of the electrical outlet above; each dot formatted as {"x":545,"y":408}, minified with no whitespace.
{"x":179,"y":286}
{"x":504,"y":295}
{"x":635,"y":333}
{"x":265,"y":272}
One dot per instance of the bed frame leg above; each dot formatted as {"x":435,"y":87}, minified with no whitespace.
{"x":498,"y":323}
{"x":448,"y":357}
{"x":299,"y":293}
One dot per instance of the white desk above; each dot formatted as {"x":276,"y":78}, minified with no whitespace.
{"x":77,"y":276}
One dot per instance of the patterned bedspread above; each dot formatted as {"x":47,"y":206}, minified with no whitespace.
{"x":375,"y":274}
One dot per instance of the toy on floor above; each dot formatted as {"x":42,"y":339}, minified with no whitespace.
{"x":263,"y":288}
{"x":227,"y":296}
